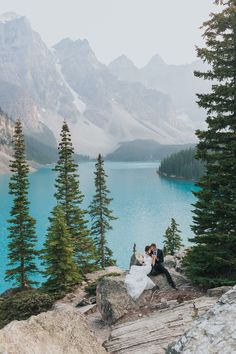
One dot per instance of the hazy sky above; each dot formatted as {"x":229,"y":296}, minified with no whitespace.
{"x":137,"y":28}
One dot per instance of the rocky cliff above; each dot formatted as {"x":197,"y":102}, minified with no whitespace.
{"x":44,"y":86}
{"x":177,"y":81}
{"x":6,"y":133}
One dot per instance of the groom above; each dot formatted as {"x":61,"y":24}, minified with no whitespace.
{"x":157,"y":266}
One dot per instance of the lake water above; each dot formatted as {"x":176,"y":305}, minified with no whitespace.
{"x":143,"y":202}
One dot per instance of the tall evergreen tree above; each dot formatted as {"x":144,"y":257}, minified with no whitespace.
{"x":69,"y":196}
{"x":172,"y":238}
{"x":212,"y":260}
{"x":101,"y":216}
{"x":60,"y":268}
{"x":22,"y":236}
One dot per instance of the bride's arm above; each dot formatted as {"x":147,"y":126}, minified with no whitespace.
{"x":154,"y":258}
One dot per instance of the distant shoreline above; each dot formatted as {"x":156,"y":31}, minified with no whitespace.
{"x":165,"y":175}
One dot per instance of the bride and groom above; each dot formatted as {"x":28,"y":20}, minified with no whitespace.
{"x":137,"y":280}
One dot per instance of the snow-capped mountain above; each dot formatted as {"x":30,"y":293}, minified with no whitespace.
{"x":44,"y":86}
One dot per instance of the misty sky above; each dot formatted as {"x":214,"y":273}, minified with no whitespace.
{"x":137,"y":28}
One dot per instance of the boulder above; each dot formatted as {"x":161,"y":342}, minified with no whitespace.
{"x":136,"y":259}
{"x":94,"y":276}
{"x":63,"y":330}
{"x":214,"y":332}
{"x":217,"y":292}
{"x":170,"y":261}
{"x":179,"y":279}
{"x":113,"y":301}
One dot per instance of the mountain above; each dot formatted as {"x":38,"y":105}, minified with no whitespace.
{"x":6,"y":133}
{"x":144,"y":150}
{"x":123,"y":110}
{"x":177,"y":81}
{"x":44,"y":86}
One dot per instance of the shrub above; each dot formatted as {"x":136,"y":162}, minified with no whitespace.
{"x":24,"y":304}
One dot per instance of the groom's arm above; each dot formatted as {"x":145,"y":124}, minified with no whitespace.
{"x":160,"y":256}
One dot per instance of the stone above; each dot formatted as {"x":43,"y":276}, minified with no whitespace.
{"x":83,"y":302}
{"x":216,"y":330}
{"x":161,"y":281}
{"x":112,"y":298}
{"x":152,"y":334}
{"x":136,"y":259}
{"x":170,"y":261}
{"x":94,"y":276}
{"x":86,"y":310}
{"x":63,"y":330}
{"x":218,"y":291}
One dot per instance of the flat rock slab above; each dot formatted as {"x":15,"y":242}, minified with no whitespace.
{"x":151,"y":335}
{"x":86,"y":310}
{"x":94,"y":276}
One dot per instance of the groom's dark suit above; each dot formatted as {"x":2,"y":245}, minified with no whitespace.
{"x":158,"y":268}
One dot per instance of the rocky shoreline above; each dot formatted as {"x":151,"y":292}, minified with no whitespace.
{"x":165,"y":175}
{"x":114,"y":323}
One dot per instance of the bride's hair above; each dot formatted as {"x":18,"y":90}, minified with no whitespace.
{"x":147,"y":248}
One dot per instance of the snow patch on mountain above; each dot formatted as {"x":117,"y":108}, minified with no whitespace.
{"x":80,"y":105}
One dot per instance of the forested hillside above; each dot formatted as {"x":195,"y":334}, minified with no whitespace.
{"x":182,"y":165}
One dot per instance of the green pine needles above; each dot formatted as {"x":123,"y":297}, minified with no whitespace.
{"x":101,"y":216}
{"x":60,"y":268}
{"x":70,"y":249}
{"x":71,"y":235}
{"x":22,"y":235}
{"x":212,"y":260}
{"x":69,"y":196}
{"x":172,"y":238}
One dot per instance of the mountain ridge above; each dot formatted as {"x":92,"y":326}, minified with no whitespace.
{"x":44,"y":86}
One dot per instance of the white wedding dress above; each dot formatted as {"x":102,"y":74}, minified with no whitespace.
{"x":137,"y":279}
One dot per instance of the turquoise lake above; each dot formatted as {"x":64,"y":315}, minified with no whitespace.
{"x":143,"y":202}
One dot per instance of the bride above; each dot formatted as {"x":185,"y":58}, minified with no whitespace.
{"x":137,"y":279}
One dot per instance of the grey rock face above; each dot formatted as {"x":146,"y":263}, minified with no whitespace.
{"x":215,"y":332}
{"x":6,"y":134}
{"x":46,"y":86}
{"x":218,"y":291}
{"x":170,"y":261}
{"x":113,"y":301}
{"x":6,"y":131}
{"x":177,"y":81}
{"x":109,"y":100}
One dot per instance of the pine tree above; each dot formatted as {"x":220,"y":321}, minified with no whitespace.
{"x":212,"y":260}
{"x":60,"y":268}
{"x":22,"y":235}
{"x":172,"y":239}
{"x":69,"y":196}
{"x":84,"y":245}
{"x":101,"y":216}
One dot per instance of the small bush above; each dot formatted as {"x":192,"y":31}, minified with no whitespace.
{"x":23,"y":305}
